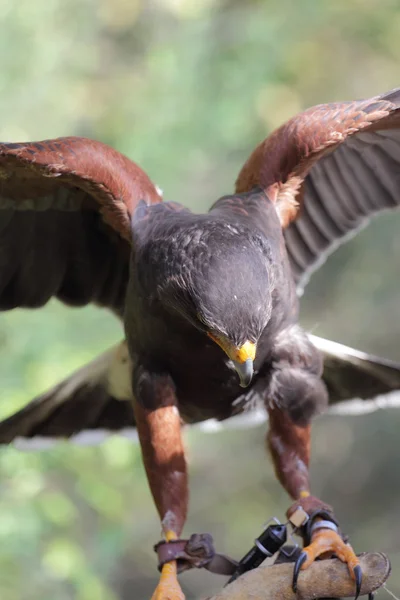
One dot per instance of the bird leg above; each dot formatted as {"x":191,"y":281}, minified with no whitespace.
{"x":159,"y":427}
{"x":289,"y":445}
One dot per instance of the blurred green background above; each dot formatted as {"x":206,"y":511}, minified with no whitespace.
{"x":187,"y":88}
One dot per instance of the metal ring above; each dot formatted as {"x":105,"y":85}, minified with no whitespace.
{"x":262,"y":549}
{"x":324,"y":525}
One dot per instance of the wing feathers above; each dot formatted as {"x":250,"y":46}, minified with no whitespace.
{"x":110,"y":178}
{"x":327,"y":170}
{"x":360,"y":179}
{"x":97,"y":396}
{"x":350,"y":374}
{"x":65,"y":212}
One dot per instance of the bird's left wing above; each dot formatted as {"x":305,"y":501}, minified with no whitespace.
{"x":87,"y":406}
{"x":328,"y":170}
{"x":65,"y":222}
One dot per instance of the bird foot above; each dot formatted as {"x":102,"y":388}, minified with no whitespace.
{"x":168,"y":587}
{"x":322,"y":538}
{"x":325,"y":543}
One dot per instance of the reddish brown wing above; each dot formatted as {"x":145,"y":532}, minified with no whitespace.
{"x":65,"y":207}
{"x":328,"y":170}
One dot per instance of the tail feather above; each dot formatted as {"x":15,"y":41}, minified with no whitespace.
{"x":96,"y":397}
{"x":97,"y":400}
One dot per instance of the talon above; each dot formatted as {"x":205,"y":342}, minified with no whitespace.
{"x":358,"y":579}
{"x":299,"y":563}
{"x":325,"y":542}
{"x":371,"y":596}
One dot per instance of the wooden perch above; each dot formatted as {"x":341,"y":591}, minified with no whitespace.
{"x":323,"y":579}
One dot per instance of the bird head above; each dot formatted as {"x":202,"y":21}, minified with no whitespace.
{"x":215,"y":275}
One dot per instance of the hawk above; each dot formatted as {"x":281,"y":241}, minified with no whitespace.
{"x":209,"y":302}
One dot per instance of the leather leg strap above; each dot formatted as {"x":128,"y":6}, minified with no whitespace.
{"x":196,"y":552}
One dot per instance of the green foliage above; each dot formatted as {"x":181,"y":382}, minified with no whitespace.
{"x":186,"y":88}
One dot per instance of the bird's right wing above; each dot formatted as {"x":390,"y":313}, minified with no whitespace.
{"x":357,"y":381}
{"x":328,"y":170}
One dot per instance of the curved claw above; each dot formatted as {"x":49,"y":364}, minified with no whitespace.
{"x":326,"y":542}
{"x":358,"y":579}
{"x":299,"y":563}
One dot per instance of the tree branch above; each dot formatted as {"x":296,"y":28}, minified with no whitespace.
{"x":326,"y":578}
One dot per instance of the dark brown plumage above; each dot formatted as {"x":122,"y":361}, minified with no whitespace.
{"x":209,"y":302}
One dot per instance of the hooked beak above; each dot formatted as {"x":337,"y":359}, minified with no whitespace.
{"x":242,"y":358}
{"x":245,"y":371}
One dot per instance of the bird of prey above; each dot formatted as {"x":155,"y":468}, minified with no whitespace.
{"x":209,"y":302}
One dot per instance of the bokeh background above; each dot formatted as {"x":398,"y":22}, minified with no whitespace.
{"x":187,"y":88}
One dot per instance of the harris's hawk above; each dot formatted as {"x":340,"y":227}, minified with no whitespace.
{"x":209,"y":302}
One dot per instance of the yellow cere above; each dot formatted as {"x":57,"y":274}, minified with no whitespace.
{"x":245,"y":352}
{"x":248,"y":350}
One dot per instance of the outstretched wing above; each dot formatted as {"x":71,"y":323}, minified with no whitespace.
{"x":65,"y":207}
{"x":328,"y":170}
{"x":87,"y":406}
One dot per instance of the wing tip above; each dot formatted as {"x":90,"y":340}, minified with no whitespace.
{"x":392,"y":96}
{"x":85,"y":438}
